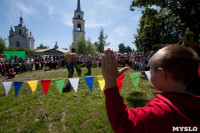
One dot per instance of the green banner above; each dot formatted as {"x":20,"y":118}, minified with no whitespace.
{"x":8,"y":54}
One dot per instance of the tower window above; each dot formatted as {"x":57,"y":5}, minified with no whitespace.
{"x":20,"y":31}
{"x":79,"y":16}
{"x":78,"y":27}
{"x":18,"y":43}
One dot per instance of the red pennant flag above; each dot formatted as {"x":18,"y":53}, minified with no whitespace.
{"x":199,"y":71}
{"x":120,"y":80}
{"x":45,"y":85}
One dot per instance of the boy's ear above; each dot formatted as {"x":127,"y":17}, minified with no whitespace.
{"x":163,"y":74}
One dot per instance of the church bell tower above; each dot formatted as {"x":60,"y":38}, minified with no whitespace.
{"x":78,"y":23}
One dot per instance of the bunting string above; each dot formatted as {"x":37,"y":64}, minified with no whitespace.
{"x":135,"y":77}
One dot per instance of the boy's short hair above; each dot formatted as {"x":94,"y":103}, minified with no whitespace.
{"x":181,"y":62}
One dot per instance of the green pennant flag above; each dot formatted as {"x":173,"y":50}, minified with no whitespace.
{"x":60,"y":84}
{"x":135,"y":77}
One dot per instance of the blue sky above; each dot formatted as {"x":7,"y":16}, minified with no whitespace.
{"x":51,"y":20}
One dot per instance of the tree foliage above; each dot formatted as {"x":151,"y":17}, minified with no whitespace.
{"x":102,"y":41}
{"x":81,"y":45}
{"x":2,"y":45}
{"x":188,"y":41}
{"x":168,"y":23}
{"x":128,"y":49}
{"x":42,"y":46}
{"x":121,"y":48}
{"x":84,"y":46}
{"x":124,"y":49}
{"x":91,"y":48}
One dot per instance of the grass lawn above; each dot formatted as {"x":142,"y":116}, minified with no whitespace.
{"x":82,"y":112}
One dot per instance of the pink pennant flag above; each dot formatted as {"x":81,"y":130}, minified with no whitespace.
{"x":199,"y":71}
{"x":120,"y":80}
{"x":45,"y":85}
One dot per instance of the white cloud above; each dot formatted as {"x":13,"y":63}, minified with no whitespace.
{"x":121,"y":31}
{"x":51,"y":9}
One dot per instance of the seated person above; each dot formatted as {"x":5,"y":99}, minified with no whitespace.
{"x":11,"y":73}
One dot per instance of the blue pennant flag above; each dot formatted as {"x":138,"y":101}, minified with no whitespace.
{"x":89,"y":81}
{"x":17,"y":86}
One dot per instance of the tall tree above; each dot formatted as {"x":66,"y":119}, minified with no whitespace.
{"x":158,"y":27}
{"x":91,"y":48}
{"x":187,"y":12}
{"x":81,"y":45}
{"x":122,"y":48}
{"x":2,"y":45}
{"x":102,"y":41}
{"x":128,"y":49}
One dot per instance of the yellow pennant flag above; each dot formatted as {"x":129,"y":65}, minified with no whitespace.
{"x":33,"y":85}
{"x":101,"y":82}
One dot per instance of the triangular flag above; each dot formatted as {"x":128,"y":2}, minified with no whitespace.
{"x":17,"y":86}
{"x":199,"y":71}
{"x":74,"y":82}
{"x":89,"y":81}
{"x":148,"y":76}
{"x":60,"y":84}
{"x":120,"y":80}
{"x":7,"y":86}
{"x":45,"y":85}
{"x":101,"y":82}
{"x":135,"y":77}
{"x":33,"y":85}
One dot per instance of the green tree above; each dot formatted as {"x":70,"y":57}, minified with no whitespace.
{"x":2,"y":45}
{"x":11,"y":48}
{"x":128,"y":49}
{"x":42,"y":46}
{"x":187,"y":12}
{"x":28,"y":51}
{"x":102,"y":41}
{"x":96,"y":44}
{"x":188,"y":41}
{"x":81,"y":45}
{"x":158,"y":27}
{"x":122,"y":48}
{"x":91,"y":48}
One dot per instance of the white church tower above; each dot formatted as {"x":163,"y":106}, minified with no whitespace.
{"x":78,"y":23}
{"x":20,"y":38}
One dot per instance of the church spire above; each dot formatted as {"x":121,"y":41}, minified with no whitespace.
{"x":78,"y":6}
{"x":21,"y":19}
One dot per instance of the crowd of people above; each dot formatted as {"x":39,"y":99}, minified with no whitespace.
{"x":9,"y":67}
{"x":14,"y":65}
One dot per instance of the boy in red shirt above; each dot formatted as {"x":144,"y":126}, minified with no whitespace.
{"x":172,"y":69}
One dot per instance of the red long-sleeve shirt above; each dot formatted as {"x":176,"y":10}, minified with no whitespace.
{"x":162,"y":114}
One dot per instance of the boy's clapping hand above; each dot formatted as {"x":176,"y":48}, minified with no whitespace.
{"x":109,"y":69}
